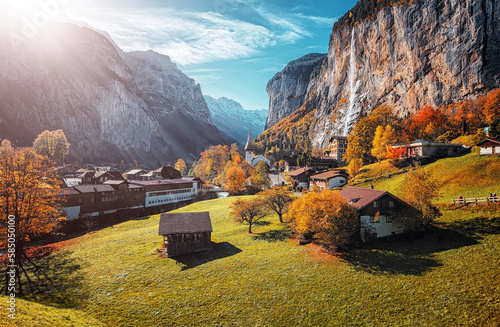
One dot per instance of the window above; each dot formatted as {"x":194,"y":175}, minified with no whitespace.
{"x":391,"y":204}
{"x":375,"y":204}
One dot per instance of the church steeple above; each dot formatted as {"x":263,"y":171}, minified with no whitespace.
{"x":249,"y":146}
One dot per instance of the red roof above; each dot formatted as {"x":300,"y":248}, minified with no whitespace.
{"x":488,"y":142}
{"x":329,"y":174}
{"x":361,"y":197}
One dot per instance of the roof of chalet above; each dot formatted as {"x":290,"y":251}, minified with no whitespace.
{"x":361,"y":197}
{"x":329,"y":174}
{"x":163,"y":181}
{"x":166,"y":169}
{"x":94,"y":188}
{"x":135,"y":171}
{"x":423,"y":143}
{"x":115,"y":182}
{"x":298,"y":172}
{"x":488,"y":141}
{"x":185,"y":222}
{"x":72,"y":181}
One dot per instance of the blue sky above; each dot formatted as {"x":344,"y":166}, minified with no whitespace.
{"x":232,"y":48}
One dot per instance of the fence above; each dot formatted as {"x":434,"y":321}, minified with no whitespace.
{"x":476,"y":201}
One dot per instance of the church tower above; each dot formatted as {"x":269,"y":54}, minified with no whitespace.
{"x":249,"y":148}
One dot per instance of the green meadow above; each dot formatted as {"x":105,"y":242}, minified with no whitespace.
{"x":115,"y":277}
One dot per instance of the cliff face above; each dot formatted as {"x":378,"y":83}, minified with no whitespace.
{"x":231,"y":118}
{"x":430,"y":53}
{"x":111,"y":105}
{"x":287,"y":90}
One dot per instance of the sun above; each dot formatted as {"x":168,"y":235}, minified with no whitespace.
{"x":24,"y":7}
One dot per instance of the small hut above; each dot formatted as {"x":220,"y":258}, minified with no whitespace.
{"x":185,"y":233}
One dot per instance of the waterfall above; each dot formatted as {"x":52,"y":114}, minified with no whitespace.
{"x":351,"y":113}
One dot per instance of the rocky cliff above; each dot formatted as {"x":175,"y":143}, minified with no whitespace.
{"x":231,"y":118}
{"x":287,"y":90}
{"x":431,"y":52}
{"x":112,"y":105}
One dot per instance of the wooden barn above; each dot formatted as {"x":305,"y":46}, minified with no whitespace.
{"x":185,"y":233}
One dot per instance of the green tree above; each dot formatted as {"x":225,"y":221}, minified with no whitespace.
{"x":277,"y":199}
{"x":261,"y":178}
{"x":52,"y":145}
{"x":248,"y":211}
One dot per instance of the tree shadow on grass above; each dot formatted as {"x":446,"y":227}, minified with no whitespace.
{"x":410,"y":254}
{"x":274,"y":235}
{"x":218,"y":251}
{"x":64,"y":280}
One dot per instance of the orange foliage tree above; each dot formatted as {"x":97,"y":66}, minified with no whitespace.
{"x":277,"y":199}
{"x":248,"y":211}
{"x":29,"y":206}
{"x":327,"y":216}
{"x":235,"y":180}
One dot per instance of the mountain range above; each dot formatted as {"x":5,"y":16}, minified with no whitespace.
{"x":112,"y":105}
{"x":231,"y":119}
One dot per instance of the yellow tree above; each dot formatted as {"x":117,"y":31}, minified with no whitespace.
{"x":248,"y":211}
{"x":420,"y":189}
{"x":29,"y":205}
{"x":277,"y":199}
{"x":180,"y":165}
{"x":235,"y":180}
{"x":381,"y":141}
{"x":52,"y":145}
{"x":327,"y":217}
{"x":354,"y":167}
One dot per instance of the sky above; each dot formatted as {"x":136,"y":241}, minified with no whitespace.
{"x":232,"y":48}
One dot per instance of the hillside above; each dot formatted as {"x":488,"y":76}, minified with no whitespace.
{"x":115,"y":276}
{"x":470,"y":176}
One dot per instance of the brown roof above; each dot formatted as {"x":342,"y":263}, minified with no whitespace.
{"x":488,"y":142}
{"x":298,"y":172}
{"x":361,"y":197}
{"x":94,"y":188}
{"x":329,"y":174}
{"x":185,"y":222}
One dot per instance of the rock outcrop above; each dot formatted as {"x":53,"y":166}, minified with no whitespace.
{"x":433,"y":52}
{"x":232,"y":119}
{"x":287,"y":90}
{"x":112,"y":105}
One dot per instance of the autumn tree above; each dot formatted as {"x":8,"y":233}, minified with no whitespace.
{"x":29,"y":206}
{"x":180,"y":165}
{"x":248,"y":211}
{"x":327,"y":216}
{"x":261,"y":177}
{"x":277,"y":199}
{"x":52,"y":144}
{"x":235,"y":180}
{"x":381,"y":141}
{"x":420,"y":189}
{"x":360,"y":141}
{"x":354,"y":167}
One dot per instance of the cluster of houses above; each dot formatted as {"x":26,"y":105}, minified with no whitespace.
{"x":100,"y":191}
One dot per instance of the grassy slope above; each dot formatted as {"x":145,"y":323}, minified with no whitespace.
{"x":470,"y":175}
{"x":114,"y":275}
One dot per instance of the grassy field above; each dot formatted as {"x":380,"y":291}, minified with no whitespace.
{"x":114,"y":277}
{"x":470,"y":176}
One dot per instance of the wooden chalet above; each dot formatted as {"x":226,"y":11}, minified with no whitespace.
{"x":422,"y":148}
{"x":134,"y":174}
{"x":185,"y":233}
{"x":376,"y":211}
{"x":302,"y":176}
{"x":489,"y":146}
{"x":330,"y":179}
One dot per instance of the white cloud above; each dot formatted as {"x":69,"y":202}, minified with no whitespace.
{"x":187,"y":37}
